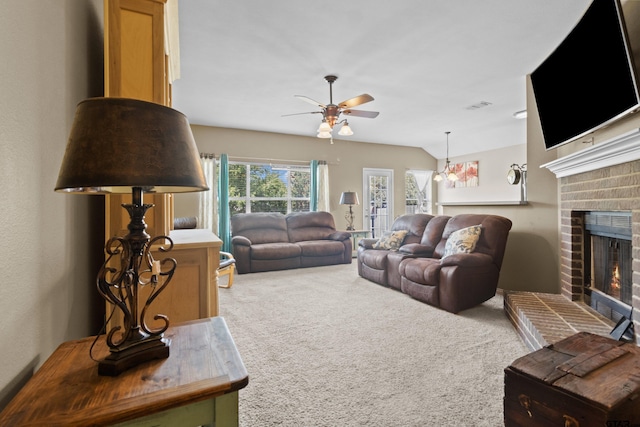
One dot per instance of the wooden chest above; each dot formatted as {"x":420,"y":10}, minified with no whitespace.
{"x":583,"y":380}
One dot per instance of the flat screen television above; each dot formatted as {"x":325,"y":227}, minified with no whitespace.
{"x":589,"y":80}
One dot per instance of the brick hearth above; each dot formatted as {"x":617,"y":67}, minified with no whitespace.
{"x":542,"y":319}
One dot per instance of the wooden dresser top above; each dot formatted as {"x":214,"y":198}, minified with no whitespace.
{"x":67,"y":390}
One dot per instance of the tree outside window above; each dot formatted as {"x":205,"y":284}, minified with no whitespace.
{"x":268,"y":188}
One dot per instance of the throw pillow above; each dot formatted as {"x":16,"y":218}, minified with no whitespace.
{"x":462,"y":241}
{"x":391,"y":240}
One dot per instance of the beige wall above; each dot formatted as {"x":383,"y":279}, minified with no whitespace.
{"x":51,"y":59}
{"x":346,"y":159}
{"x":493,"y":166}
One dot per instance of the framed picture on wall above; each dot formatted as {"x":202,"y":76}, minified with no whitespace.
{"x":467,"y":174}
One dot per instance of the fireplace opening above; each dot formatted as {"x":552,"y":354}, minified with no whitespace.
{"x":608,"y":244}
{"x":611,"y":267}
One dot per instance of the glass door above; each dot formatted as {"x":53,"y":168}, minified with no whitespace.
{"x":378,"y":200}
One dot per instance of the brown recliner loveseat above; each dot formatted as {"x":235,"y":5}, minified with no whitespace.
{"x":272,"y":241}
{"x":455,"y":265}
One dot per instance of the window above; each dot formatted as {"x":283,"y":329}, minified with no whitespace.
{"x":417,"y":190}
{"x":412,"y":195}
{"x":268,"y":188}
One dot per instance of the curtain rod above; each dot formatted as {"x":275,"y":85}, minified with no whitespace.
{"x":261,"y":160}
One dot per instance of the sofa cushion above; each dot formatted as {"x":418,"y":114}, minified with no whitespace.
{"x":271,"y":251}
{"x":495,"y":230}
{"x":414,"y":224}
{"x":302,"y":226}
{"x":416,"y":249}
{"x":315,"y":248}
{"x":391,"y":240}
{"x":462,"y":241}
{"x":424,"y":271}
{"x":374,"y":258}
{"x":433,"y":231}
{"x":260,"y":227}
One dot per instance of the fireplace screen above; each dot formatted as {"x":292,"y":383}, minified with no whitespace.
{"x":612,"y":269}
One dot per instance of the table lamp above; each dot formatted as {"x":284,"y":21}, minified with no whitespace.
{"x":349,"y":198}
{"x":120,"y":145}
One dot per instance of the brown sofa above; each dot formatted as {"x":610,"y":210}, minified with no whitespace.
{"x":273,"y":241}
{"x":420,"y":269}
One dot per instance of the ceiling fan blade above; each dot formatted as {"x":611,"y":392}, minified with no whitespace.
{"x":361,"y":113}
{"x":358,"y":100}
{"x":297,"y":114}
{"x":310,"y":101}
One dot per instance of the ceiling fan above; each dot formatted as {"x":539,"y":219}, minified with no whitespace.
{"x":331,"y":112}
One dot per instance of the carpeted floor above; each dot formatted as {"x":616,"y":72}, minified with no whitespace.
{"x":324,"y":347}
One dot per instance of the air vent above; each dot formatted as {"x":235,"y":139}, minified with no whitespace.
{"x":479,"y":105}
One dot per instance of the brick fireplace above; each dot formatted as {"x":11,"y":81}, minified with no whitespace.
{"x":604,"y":177}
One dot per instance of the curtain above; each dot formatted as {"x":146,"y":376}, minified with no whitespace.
{"x":208,"y":209}
{"x":323,"y":186}
{"x":313,"y":202}
{"x":224,"y":227}
{"x":423,"y":181}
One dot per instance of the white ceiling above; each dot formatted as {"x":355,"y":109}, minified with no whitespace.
{"x":426,"y":62}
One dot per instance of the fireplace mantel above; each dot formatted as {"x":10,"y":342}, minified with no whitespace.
{"x":621,"y":149}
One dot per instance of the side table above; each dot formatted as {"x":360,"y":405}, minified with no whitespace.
{"x":196,"y":386}
{"x":356,"y":236}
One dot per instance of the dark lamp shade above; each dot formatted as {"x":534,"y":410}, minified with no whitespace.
{"x":349,"y":198}
{"x":117,"y":144}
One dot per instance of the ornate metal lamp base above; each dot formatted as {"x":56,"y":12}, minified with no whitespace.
{"x":154,"y":347}
{"x":349,"y":217}
{"x":129,"y":267}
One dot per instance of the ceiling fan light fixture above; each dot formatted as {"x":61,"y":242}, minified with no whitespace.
{"x":345,"y":130}
{"x":331,"y":112}
{"x":324,"y":127}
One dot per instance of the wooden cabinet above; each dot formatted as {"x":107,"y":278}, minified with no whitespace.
{"x":193,"y":291}
{"x":136,"y":62}
{"x":137,"y":66}
{"x":141,"y":61}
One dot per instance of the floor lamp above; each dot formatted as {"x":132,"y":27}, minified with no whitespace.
{"x":121,"y":146}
